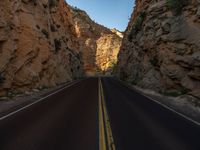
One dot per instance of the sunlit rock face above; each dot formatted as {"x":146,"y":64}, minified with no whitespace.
{"x":98,"y":45}
{"x":161,"y":46}
{"x":44,"y":43}
{"x":36,"y":41}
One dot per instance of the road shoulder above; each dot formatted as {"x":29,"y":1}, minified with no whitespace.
{"x":10,"y":105}
{"x":186,"y":104}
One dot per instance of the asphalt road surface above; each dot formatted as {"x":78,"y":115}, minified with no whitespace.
{"x":96,"y":114}
{"x":139,"y":123}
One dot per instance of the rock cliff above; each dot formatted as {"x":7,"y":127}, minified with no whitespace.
{"x":161,"y":47}
{"x":98,"y":45}
{"x":44,"y":43}
{"x":35,"y":39}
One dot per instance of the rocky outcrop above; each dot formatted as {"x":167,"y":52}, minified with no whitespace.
{"x":98,"y":45}
{"x":44,"y":43}
{"x":35,"y":39}
{"x":161,"y":46}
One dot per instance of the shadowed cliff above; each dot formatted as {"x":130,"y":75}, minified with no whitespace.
{"x":161,"y":47}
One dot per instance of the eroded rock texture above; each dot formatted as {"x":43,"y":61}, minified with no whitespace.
{"x":44,"y":43}
{"x":98,"y":45}
{"x":35,"y":39}
{"x":161,"y":47}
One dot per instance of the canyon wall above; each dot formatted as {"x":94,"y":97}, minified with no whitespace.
{"x":161,"y":47}
{"x":44,"y":43}
{"x":35,"y":39}
{"x":98,"y":45}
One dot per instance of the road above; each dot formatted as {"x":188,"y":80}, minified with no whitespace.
{"x":96,"y":114}
{"x":140,"y":123}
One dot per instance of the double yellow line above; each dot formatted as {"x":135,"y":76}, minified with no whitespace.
{"x":106,"y":141}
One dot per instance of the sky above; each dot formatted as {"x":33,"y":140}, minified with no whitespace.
{"x":110,"y":13}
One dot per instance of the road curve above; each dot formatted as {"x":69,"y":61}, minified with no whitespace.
{"x":97,"y":114}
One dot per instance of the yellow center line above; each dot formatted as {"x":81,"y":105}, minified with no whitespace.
{"x":102,"y":140}
{"x":104,"y":124}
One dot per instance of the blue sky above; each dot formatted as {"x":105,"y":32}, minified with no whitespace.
{"x":110,"y":13}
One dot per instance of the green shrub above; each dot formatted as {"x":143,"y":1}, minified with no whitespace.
{"x":137,"y":25}
{"x":181,"y":91}
{"x":112,"y":63}
{"x":113,"y":66}
{"x":134,"y":82}
{"x":171,"y":94}
{"x":43,"y":87}
{"x":45,"y":32}
{"x":76,"y":9}
{"x":154,"y":61}
{"x":176,"y":6}
{"x":57,"y":43}
{"x":10,"y":94}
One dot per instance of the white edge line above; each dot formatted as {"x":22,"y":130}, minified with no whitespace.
{"x":165,"y":106}
{"x":41,"y":99}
